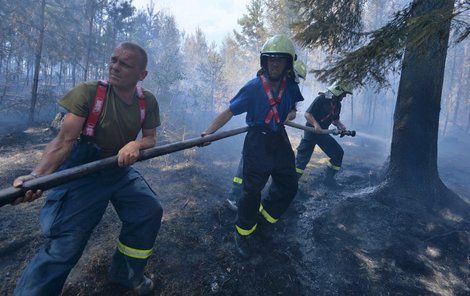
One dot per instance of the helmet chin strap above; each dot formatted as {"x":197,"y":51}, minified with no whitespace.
{"x":274,"y":79}
{"x":338,"y":98}
{"x":277,"y":78}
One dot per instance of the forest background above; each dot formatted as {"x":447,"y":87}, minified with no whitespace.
{"x":394,"y":227}
{"x":47,"y":47}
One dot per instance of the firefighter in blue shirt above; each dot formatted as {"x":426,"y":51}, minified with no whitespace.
{"x":269,"y":99}
{"x":300,"y":72}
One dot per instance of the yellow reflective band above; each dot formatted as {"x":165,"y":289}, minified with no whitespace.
{"x":134,"y":253}
{"x":237,"y":180}
{"x":245,"y":232}
{"x":266,"y":215}
{"x":299,"y":171}
{"x":336,"y":168}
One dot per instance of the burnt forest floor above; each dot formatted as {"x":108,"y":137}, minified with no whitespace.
{"x":329,"y":242}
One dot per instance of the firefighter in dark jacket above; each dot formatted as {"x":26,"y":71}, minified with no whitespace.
{"x":324,"y":111}
{"x":269,"y":99}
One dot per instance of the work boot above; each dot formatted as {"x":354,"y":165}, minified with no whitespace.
{"x":264,"y":228}
{"x":329,"y":179}
{"x":145,"y":287}
{"x":242,"y":244}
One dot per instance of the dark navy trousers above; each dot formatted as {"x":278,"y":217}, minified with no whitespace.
{"x":327,"y":144}
{"x":69,"y":216}
{"x":265,"y":154}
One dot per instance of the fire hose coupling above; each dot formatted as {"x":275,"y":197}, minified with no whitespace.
{"x":344,"y":133}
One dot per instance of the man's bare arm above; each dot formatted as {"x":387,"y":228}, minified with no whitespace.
{"x":339,"y":125}
{"x":129,"y":154}
{"x":313,"y":122}
{"x":55,"y":153}
{"x":291,"y":115}
{"x":218,"y":122}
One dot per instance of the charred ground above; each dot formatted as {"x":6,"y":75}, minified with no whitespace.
{"x":348,"y":241}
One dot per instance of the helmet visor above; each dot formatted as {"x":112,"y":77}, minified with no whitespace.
{"x":275,"y":55}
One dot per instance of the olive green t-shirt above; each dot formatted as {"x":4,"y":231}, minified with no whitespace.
{"x":119,"y":122}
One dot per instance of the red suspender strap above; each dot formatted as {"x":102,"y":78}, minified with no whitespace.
{"x":273,"y":102}
{"x":94,"y":114}
{"x":332,"y":111}
{"x":98,"y":103}
{"x":140,"y":93}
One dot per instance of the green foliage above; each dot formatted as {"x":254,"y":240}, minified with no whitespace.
{"x":158,"y":33}
{"x":79,"y":37}
{"x":368,"y":57}
{"x":329,"y":23}
{"x":204,"y":82}
{"x":253,"y":32}
{"x":280,"y":15}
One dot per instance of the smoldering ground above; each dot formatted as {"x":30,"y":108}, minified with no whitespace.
{"x":323,"y":245}
{"x":369,"y":238}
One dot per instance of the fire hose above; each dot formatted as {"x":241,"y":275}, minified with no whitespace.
{"x":335,"y":131}
{"x":8,"y":195}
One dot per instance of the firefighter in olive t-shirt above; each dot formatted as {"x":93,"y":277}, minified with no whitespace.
{"x":103,"y":119}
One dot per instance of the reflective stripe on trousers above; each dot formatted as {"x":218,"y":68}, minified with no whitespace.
{"x":71,"y":212}
{"x":266,"y":154}
{"x":327,"y":144}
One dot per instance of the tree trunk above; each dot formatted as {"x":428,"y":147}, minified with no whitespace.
{"x":28,"y":71}
{"x":463,"y":82}
{"x":450,"y":92}
{"x":413,"y":157}
{"x":61,"y":68}
{"x":18,"y":72}
{"x":7,"y":75}
{"x":352,"y":110}
{"x":74,"y":74}
{"x":91,"y":11}
{"x":37,"y":62}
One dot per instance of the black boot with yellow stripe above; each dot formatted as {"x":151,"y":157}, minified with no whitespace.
{"x":243,"y":244}
{"x":329,"y":178}
{"x":265,"y":224}
{"x":145,"y":287}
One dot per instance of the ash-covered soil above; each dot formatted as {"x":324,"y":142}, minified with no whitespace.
{"x":330,"y":242}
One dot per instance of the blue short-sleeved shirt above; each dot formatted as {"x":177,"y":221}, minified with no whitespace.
{"x":253,"y":100}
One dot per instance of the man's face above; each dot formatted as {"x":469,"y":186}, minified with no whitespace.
{"x":125,"y":68}
{"x":276,"y":66}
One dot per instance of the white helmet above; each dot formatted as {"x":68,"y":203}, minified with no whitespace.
{"x":300,"y":70}
{"x":340,"y":87}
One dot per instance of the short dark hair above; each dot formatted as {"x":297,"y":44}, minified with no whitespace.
{"x":136,"y":48}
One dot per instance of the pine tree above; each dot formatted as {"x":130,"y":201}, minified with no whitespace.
{"x":253,"y":32}
{"x":419,"y":33}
